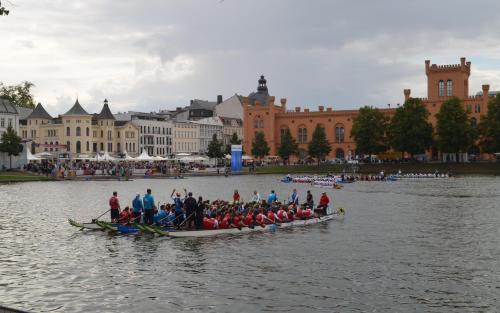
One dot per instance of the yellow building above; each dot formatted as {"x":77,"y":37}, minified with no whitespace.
{"x":77,"y":132}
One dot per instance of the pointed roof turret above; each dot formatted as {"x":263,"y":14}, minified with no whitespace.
{"x":39,"y":112}
{"x":76,"y":109}
{"x":105,"y":112}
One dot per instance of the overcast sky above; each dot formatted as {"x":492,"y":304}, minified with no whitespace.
{"x":152,"y":54}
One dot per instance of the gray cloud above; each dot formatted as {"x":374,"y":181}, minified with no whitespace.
{"x":159,"y":54}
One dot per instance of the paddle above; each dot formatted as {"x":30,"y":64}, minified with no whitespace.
{"x":187,"y":219}
{"x":275,"y":223}
{"x":95,"y":219}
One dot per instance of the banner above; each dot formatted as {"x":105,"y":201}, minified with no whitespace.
{"x":236,"y":155}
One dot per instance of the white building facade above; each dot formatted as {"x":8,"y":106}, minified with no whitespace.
{"x":9,"y":116}
{"x":186,"y":137}
{"x":155,"y":132}
{"x":209,"y":127}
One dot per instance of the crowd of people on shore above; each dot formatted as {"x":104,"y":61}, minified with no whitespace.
{"x":187,"y":212}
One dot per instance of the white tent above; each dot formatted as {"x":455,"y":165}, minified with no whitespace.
{"x":200,"y":158}
{"x":105,"y":157}
{"x":44,"y":155}
{"x":30,"y":156}
{"x":246,"y":157}
{"x":144,"y":156}
{"x":159,"y":158}
{"x":182,"y":154}
{"x":127,"y":157}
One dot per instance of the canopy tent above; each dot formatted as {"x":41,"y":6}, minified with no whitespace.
{"x":144,"y":156}
{"x":159,"y":158}
{"x":228,"y":157}
{"x":182,"y":154}
{"x":30,"y":156}
{"x":127,"y":157}
{"x":44,"y":155}
{"x":85,"y":157}
{"x":105,"y":157}
{"x":246,"y":157}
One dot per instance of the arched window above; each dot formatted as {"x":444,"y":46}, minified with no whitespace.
{"x":88,"y":146}
{"x":78,"y":131}
{"x":102,"y":146}
{"x":339,"y":133}
{"x":441,"y":88}
{"x":68,"y":131}
{"x":78,"y":147}
{"x":87,"y":132}
{"x":258,"y":122}
{"x":473,"y":122}
{"x":68,"y":146}
{"x":118,"y":147}
{"x":283,"y":130}
{"x":339,"y":153}
{"x":102,"y":133}
{"x":302,"y":134}
{"x":449,"y":87}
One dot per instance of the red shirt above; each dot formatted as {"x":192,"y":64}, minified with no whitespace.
{"x":307,"y":213}
{"x":270,"y":216}
{"x":324,"y":200}
{"x":260,"y":218}
{"x":236,"y":220}
{"x":249,"y":219}
{"x":281,"y":214}
{"x":124,"y":217}
{"x":114,"y":203}
{"x":208,"y":223}
{"x":236,"y":197}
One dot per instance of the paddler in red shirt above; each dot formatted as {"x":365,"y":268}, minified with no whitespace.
{"x":236,"y":196}
{"x":114,"y":206}
{"x":125,"y":216}
{"x":323,"y":204}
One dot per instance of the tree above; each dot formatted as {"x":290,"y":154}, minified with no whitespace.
{"x":19,"y":95}
{"x":319,"y":147}
{"x":11,"y":143}
{"x":453,"y":129}
{"x":288,"y":145}
{"x":409,"y":129}
{"x":369,"y":130}
{"x":489,"y":127}
{"x":3,"y":10}
{"x":215,"y":148}
{"x":233,"y":141}
{"x":260,"y":147}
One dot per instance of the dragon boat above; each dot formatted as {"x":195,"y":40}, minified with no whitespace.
{"x":175,"y":233}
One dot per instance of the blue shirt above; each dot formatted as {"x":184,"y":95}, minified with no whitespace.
{"x":178,"y":205}
{"x":294,"y":198}
{"x":149,"y":201}
{"x":160,"y":217}
{"x":137,"y":204}
{"x":272,"y":198}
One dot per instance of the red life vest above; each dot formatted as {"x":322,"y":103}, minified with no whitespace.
{"x":307,"y":213}
{"x":282,"y":215}
{"x":208,"y":223}
{"x":300,"y":213}
{"x":225,"y":222}
{"x":248,"y":219}
{"x":290,"y":216}
{"x":113,"y":202}
{"x":271,"y":217}
{"x":260,"y":218}
{"x":124,"y":217}
{"x":236,"y":220}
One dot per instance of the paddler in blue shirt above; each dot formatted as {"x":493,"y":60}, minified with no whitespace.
{"x":272,"y":197}
{"x":149,"y":203}
{"x":179,"y":204}
{"x":294,"y":197}
{"x":137,"y":208}
{"x":160,"y":218}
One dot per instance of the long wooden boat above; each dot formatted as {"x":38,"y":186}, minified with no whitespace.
{"x":174,"y":233}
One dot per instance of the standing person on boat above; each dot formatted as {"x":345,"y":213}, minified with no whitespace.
{"x":189,"y":207}
{"x":294,"y":197}
{"x":324,"y":201}
{"x":149,"y":203}
{"x":272,"y":197}
{"x":114,"y":205}
{"x":236,"y":196}
{"x":178,"y":204}
{"x":309,"y":199}
{"x":255,"y":197}
{"x":137,"y":207}
{"x":199,"y":213}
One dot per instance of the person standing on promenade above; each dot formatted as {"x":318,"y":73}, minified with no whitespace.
{"x":114,"y":205}
{"x":137,"y":207}
{"x":149,"y":203}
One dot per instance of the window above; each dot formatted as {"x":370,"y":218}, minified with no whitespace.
{"x":102,"y":133}
{"x":118,"y":147}
{"x":468,"y":108}
{"x":51,"y":146}
{"x":78,"y":131}
{"x":78,"y":147}
{"x":87,"y":132}
{"x":339,"y":133}
{"x":88,"y":147}
{"x":68,"y":131}
{"x":102,"y":146}
{"x":94,"y":147}
{"x":302,"y":135}
{"x":258,"y":123}
{"x":57,"y":145}
{"x":449,"y":88}
{"x":477,"y":108}
{"x":283,"y":131}
{"x":441,"y":88}
{"x":473,"y":122}
{"x":339,"y":153}
{"x":2,"y":122}
{"x":10,"y":123}
{"x":68,"y":146}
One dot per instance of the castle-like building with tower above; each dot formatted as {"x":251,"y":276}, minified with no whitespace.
{"x":261,"y":113}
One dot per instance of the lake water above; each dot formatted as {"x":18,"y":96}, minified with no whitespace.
{"x":429,"y":245}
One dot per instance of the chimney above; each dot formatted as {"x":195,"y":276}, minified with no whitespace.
{"x":328,"y":109}
{"x":407,"y":93}
{"x":306,"y":110}
{"x":297,"y":109}
{"x":462,"y":61}
{"x":219,"y":99}
{"x":427,"y":65}
{"x":321,"y":108}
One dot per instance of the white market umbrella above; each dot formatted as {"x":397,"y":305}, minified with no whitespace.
{"x":105,"y":157}
{"x":246,"y":157}
{"x":228,"y":157}
{"x":44,"y":155}
{"x":31,"y":157}
{"x":127,"y":157}
{"x":159,"y":158}
{"x":182,"y":154}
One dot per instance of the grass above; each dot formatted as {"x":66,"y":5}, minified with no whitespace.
{"x":19,"y":176}
{"x":453,"y":168}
